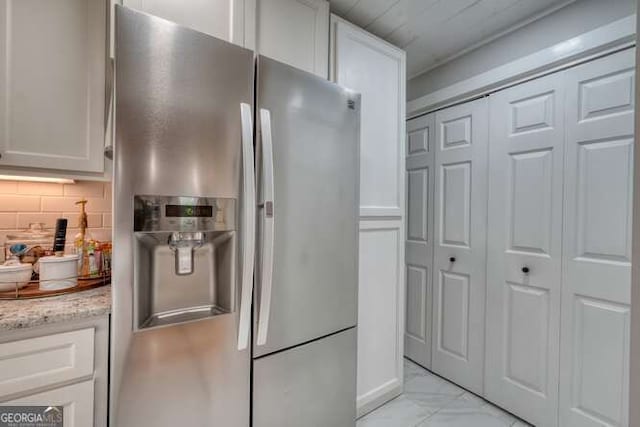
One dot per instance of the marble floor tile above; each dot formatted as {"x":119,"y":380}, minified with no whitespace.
{"x":521,"y":423}
{"x":469,"y":410}
{"x":431,"y":392}
{"x":400,"y":412}
{"x":431,"y":401}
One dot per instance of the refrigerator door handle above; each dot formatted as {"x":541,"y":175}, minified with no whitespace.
{"x":266,"y":267}
{"x":248,"y":225}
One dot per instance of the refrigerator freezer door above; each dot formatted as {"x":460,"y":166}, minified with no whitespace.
{"x":179,"y":132}
{"x":186,"y":375}
{"x":309,"y":130}
{"x":312,"y":385}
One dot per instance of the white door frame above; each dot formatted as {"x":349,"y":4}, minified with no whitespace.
{"x":634,"y":372}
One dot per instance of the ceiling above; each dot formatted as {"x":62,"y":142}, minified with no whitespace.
{"x":435,"y":31}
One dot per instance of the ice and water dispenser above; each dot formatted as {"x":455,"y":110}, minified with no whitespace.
{"x":184,"y":259}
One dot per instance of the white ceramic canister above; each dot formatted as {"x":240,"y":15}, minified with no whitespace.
{"x":14,"y":276}
{"x":58,"y":272}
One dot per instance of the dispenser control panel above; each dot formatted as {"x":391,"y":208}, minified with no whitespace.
{"x":189,"y":211}
{"x":184,"y":213}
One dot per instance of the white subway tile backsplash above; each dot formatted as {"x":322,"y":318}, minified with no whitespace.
{"x":8,"y":187}
{"x":48,"y":219}
{"x":15,"y":203}
{"x":85,"y":189}
{"x":95,"y":204}
{"x":94,"y":220}
{"x":39,"y":188}
{"x":7,"y":221}
{"x":59,"y":204}
{"x":107,"y":219}
{"x":23,"y":203}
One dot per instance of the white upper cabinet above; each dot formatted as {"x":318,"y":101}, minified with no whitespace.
{"x":52,"y":84}
{"x":223,"y":19}
{"x":376,"y":70}
{"x":295,"y":32}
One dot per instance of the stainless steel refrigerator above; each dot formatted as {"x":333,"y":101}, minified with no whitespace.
{"x":235,"y":258}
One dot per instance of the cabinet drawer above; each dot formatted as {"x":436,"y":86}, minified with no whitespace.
{"x":43,"y":361}
{"x":77,"y":400}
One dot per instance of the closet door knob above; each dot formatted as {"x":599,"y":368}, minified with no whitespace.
{"x":452,"y":259}
{"x":525,"y":270}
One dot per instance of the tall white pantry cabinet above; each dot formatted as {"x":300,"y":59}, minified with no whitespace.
{"x":555,"y":335}
{"x":376,"y":69}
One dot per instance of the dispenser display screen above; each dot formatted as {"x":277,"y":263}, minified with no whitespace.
{"x":188,"y":211}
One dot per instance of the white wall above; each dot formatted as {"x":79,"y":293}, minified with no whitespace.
{"x":568,"y":22}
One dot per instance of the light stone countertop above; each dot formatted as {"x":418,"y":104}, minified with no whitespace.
{"x":27,"y":313}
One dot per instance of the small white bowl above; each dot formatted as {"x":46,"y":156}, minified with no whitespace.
{"x":14,"y":276}
{"x":58,"y":272}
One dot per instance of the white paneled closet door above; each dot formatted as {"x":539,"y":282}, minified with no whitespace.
{"x":524,"y":247}
{"x":459,"y":251}
{"x":594,"y":379}
{"x":419,"y":246}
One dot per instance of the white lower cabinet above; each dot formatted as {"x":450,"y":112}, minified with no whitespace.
{"x":459,"y":253}
{"x":63,"y":364}
{"x":77,"y":400}
{"x":380,"y":313}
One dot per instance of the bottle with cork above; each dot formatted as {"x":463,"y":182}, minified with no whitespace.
{"x":83,"y":242}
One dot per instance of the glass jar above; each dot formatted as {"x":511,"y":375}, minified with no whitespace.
{"x":38,"y":242}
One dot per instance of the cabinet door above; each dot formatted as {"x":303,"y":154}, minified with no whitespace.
{"x":524,"y":248}
{"x":594,"y":367}
{"x":295,"y":32}
{"x":375,"y":69}
{"x":52,"y":84}
{"x":459,"y":253}
{"x":223,"y":19}
{"x":77,"y":400}
{"x":419,"y":244}
{"x":380,"y":313}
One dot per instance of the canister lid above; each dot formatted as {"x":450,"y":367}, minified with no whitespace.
{"x":15,"y":267}
{"x":35,"y":231}
{"x":70,"y":257}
